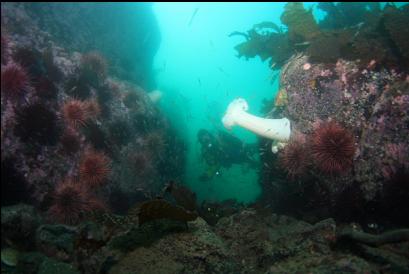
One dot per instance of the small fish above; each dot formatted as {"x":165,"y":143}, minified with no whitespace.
{"x":200,"y":82}
{"x":193,"y":16}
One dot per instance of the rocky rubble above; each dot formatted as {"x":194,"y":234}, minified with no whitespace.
{"x":247,"y":242}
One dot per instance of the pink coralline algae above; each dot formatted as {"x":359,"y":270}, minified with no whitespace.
{"x":371,"y":104}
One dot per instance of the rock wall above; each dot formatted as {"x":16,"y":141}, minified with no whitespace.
{"x":368,"y":102}
{"x":78,"y":134}
{"x":127,"y":34}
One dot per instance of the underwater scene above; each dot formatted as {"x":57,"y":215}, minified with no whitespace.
{"x":204,"y":137}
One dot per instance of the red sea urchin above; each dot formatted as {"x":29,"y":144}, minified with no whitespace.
{"x":75,"y":113}
{"x":332,"y":148}
{"x":295,"y":158}
{"x":70,"y":202}
{"x":94,"y":64}
{"x":15,"y":80}
{"x":94,"y":168}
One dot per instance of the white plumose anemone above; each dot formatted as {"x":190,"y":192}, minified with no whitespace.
{"x":274,"y":129}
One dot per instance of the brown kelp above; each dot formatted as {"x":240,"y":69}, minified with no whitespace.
{"x":372,"y":34}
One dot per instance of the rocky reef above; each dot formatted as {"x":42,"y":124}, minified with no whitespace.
{"x":246,"y":242}
{"x":126,"y":34}
{"x":349,"y":149}
{"x":78,"y":135}
{"x":344,"y":85}
{"x":86,"y":154}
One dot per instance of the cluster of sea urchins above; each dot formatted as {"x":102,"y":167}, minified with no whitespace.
{"x":330,"y":148}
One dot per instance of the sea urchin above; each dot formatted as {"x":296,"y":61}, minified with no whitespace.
{"x":94,"y":168}
{"x":75,"y":113}
{"x":295,"y":157}
{"x":15,"y":80}
{"x":332,"y":148}
{"x":70,"y":202}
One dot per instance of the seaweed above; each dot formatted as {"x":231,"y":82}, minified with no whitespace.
{"x":328,"y":47}
{"x":300,"y":22}
{"x":352,"y":31}
{"x":268,"y":25}
{"x":345,"y":14}
{"x":271,"y":45}
{"x":396,"y":22}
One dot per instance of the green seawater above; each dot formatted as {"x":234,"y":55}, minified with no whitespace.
{"x":199,"y":73}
